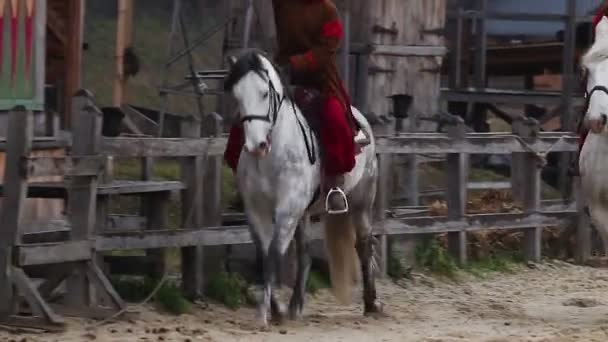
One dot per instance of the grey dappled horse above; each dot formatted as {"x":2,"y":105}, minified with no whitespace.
{"x":278,"y":174}
{"x":593,"y":160}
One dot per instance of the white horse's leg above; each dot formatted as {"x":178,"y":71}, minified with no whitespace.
{"x":296,"y":303}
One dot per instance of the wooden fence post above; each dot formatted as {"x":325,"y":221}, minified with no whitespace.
{"x":82,"y":197}
{"x":382,"y":203}
{"x":583,"y":225}
{"x":457,"y":177}
{"x":19,"y":143}
{"x":528,"y":130}
{"x":192,"y":215}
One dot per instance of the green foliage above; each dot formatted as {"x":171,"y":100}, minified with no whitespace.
{"x":396,"y":268}
{"x":229,"y":289}
{"x":433,"y":257}
{"x":499,"y":262}
{"x":172,"y":300}
{"x":317,"y":281}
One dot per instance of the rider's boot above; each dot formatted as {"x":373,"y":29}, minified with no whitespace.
{"x":335,"y":200}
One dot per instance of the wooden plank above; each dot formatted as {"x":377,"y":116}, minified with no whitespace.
{"x":125,"y":222}
{"x":83,"y":189}
{"x":138,"y":187}
{"x":64,"y":166}
{"x":164,"y":147}
{"x":439,"y":144}
{"x":412,"y":225}
{"x":32,"y":296}
{"x":19,"y":135}
{"x":432,"y":225}
{"x":101,"y":283}
{"x":94,"y":313}
{"x":53,"y":253}
{"x":422,"y":143}
{"x":408,"y":50}
{"x":485,"y":95}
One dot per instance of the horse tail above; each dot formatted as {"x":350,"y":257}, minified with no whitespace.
{"x":340,"y":239}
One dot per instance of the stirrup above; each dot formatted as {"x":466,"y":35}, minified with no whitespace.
{"x":336,"y":212}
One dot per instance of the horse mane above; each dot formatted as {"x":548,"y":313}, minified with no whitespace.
{"x":250,"y":61}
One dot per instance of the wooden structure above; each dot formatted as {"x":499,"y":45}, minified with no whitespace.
{"x":54,"y":251}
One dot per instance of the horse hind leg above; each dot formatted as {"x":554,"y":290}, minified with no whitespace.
{"x":365,"y":250}
{"x":296,"y":303}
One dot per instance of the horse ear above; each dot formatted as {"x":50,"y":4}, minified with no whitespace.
{"x":231,"y":61}
{"x":601,"y":30}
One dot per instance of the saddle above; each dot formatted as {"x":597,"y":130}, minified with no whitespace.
{"x":310,"y":102}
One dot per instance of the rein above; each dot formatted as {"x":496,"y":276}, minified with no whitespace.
{"x":276,"y":102}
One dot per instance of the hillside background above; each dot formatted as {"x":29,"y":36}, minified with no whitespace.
{"x":151,"y":27}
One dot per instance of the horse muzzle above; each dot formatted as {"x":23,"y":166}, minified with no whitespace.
{"x":597,"y":125}
{"x":261,"y":150}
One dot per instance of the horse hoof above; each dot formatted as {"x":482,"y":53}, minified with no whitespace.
{"x":295,"y":313}
{"x":375,"y":310}
{"x":278,"y":314}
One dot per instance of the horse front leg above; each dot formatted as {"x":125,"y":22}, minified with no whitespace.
{"x":296,"y":304}
{"x":365,"y":250}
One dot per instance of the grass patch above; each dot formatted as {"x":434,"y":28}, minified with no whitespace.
{"x":495,"y":263}
{"x":135,"y":289}
{"x":229,"y":289}
{"x":434,"y":258}
{"x":317,"y":281}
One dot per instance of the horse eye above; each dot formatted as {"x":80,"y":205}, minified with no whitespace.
{"x":265,"y":95}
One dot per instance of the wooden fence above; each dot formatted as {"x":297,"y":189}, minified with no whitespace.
{"x":75,"y":246}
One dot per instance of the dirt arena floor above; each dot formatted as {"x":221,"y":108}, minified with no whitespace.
{"x":553,"y":301}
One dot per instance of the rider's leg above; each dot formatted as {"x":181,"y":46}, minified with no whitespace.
{"x":338,"y":153}
{"x":234,"y":146}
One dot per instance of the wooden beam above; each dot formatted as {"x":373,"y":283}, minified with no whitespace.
{"x":409,"y":50}
{"x":53,"y":253}
{"x":73,"y":63}
{"x":64,"y":166}
{"x":411,"y":225}
{"x":123,"y":40}
{"x":19,"y":137}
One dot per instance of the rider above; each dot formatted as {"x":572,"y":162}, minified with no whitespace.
{"x":309,"y":32}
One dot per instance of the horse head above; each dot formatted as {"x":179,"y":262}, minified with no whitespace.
{"x":256,"y":85}
{"x":595,"y":65}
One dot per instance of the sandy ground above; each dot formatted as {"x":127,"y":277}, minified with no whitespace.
{"x":549,"y":302}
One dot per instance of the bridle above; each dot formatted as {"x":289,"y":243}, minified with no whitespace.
{"x":276,"y":101}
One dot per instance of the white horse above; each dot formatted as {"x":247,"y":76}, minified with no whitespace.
{"x":593,"y":161}
{"x":278,"y":175}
